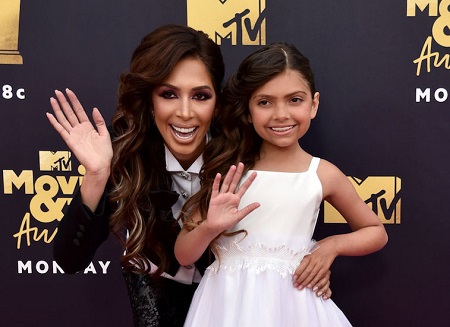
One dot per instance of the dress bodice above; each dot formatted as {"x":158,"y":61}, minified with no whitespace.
{"x":281,"y":228}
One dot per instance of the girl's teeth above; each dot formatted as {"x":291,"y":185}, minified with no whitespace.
{"x":281,"y":129}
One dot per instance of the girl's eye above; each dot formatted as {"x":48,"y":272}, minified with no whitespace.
{"x":167,"y":95}
{"x":202,"y":96}
{"x":263,"y":103}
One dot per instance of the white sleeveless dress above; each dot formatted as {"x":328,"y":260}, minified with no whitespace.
{"x":250,"y":283}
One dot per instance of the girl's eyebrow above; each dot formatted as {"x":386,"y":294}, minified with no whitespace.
{"x":262,"y":95}
{"x":296,"y":92}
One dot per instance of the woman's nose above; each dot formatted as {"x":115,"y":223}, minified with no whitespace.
{"x":185,"y":110}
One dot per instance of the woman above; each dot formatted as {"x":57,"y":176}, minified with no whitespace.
{"x":165,"y":107}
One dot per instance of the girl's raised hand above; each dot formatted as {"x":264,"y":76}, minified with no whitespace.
{"x":223,"y":210}
{"x":91,"y":145}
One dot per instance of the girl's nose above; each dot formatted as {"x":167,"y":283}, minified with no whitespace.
{"x":281,"y":112}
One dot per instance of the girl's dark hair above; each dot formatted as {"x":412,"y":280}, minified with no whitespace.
{"x":138,"y":165}
{"x":236,"y":140}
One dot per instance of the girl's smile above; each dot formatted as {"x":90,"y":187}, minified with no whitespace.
{"x":281,"y":110}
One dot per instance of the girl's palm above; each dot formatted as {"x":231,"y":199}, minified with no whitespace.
{"x":223,"y":210}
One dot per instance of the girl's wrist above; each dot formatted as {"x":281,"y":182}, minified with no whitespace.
{"x":332,"y":245}
{"x":209,"y":231}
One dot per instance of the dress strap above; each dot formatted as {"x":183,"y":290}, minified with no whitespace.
{"x":314,"y":164}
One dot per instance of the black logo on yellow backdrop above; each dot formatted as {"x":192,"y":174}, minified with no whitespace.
{"x":440,"y":33}
{"x":381,"y":193}
{"x":49,"y":195}
{"x":9,"y":32}
{"x":58,"y":161}
{"x":233,"y":22}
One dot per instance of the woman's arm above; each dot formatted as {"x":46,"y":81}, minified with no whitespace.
{"x":222,"y":214}
{"x":85,"y":225}
{"x":80,"y":233}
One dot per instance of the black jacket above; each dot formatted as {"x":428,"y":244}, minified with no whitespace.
{"x":81,"y":232}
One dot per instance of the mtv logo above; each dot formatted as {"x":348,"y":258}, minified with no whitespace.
{"x":59,"y":161}
{"x":381,"y":193}
{"x":233,"y":22}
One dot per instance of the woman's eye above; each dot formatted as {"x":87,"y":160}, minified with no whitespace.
{"x":263,"y":103}
{"x":296,"y":100}
{"x":202,"y":96}
{"x":168,"y":95}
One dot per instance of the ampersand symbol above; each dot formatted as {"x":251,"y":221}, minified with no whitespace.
{"x":442,"y":25}
{"x":42,"y":206}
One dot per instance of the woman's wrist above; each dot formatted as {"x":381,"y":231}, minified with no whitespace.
{"x":92,"y":188}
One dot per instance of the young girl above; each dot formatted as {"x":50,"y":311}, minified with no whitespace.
{"x":268,"y":106}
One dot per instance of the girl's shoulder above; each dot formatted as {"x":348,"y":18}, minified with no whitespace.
{"x":325,"y":168}
{"x":332,"y":178}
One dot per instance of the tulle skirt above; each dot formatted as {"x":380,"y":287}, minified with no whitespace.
{"x":258,"y":298}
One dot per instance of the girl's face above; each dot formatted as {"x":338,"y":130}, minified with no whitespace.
{"x":183,"y":108}
{"x":281,"y":110}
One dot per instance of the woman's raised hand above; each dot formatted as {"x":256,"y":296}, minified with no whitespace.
{"x":223,"y":210}
{"x":91,"y":145}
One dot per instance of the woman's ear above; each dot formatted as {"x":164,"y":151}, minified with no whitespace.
{"x":249,"y":119}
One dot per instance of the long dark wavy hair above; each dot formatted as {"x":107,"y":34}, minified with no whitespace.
{"x":138,"y":165}
{"x":237,"y":141}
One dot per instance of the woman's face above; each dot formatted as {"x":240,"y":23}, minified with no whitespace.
{"x":183,"y":108}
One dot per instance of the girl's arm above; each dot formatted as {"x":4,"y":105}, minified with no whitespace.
{"x":222,"y":214}
{"x":368,"y":233}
